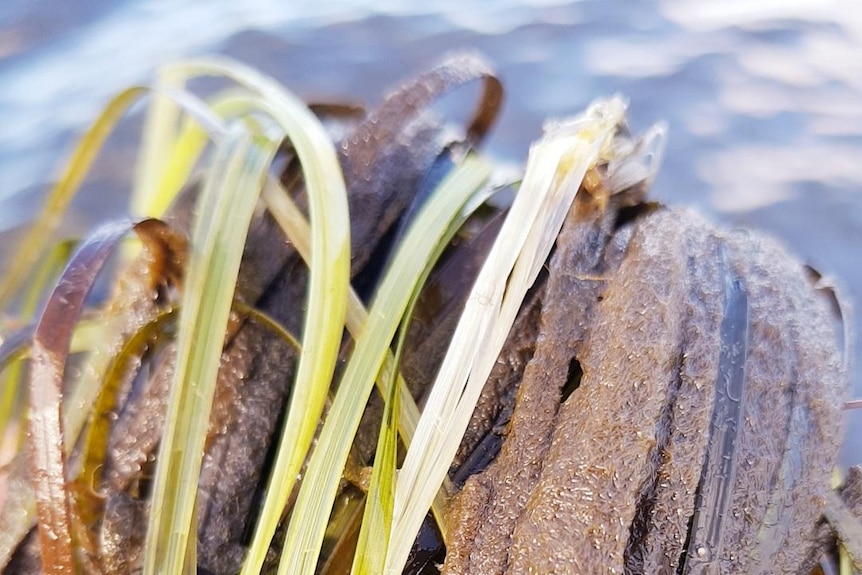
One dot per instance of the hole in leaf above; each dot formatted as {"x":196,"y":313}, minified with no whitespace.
{"x":573,"y":379}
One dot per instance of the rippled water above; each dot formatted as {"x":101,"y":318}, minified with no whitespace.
{"x":764,"y":103}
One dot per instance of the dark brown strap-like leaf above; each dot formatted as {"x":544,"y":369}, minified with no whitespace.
{"x":380,"y":186}
{"x":384,"y":125}
{"x":380,"y":157}
{"x":95,"y":446}
{"x":51,"y":342}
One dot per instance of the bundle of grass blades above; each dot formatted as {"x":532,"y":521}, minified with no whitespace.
{"x":222,"y":416}
{"x":210,"y":367}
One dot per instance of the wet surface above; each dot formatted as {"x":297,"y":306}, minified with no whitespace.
{"x":764,"y":105}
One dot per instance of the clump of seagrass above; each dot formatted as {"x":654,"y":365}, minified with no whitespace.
{"x":659,"y":395}
{"x":391,"y":159}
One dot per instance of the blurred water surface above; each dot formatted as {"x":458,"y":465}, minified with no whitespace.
{"x":764,"y":102}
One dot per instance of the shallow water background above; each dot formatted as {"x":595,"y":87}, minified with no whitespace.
{"x":764,"y":103}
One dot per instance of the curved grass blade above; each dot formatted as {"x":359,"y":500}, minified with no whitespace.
{"x":32,"y":244}
{"x":187,"y":148}
{"x":555,"y":169}
{"x":225,"y":210}
{"x":419,"y":94}
{"x":328,"y":283}
{"x":317,"y":493}
{"x":158,"y":137}
{"x":51,"y":340}
{"x":198,"y":111}
{"x":169,"y":149}
{"x":18,"y":512}
{"x":31,"y":247}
